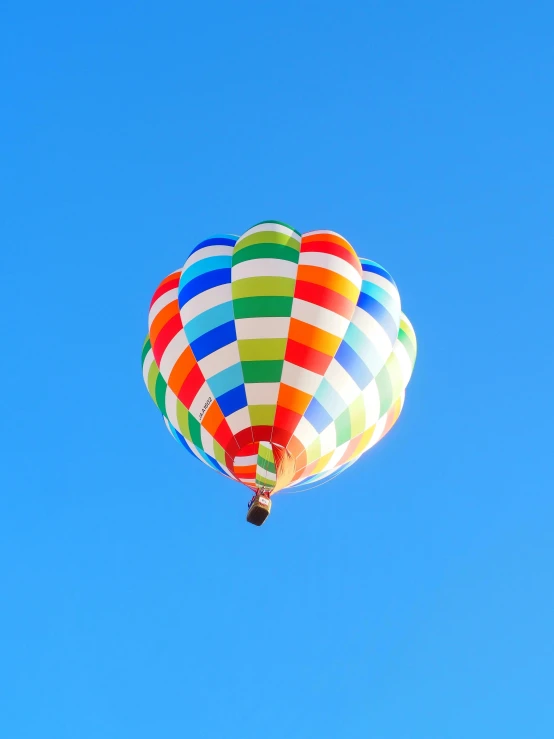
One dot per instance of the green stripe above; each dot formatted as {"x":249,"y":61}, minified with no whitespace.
{"x":278,"y":223}
{"x":262,"y":415}
{"x":265,"y":482}
{"x":183,"y":419}
{"x":146,"y":348}
{"x":267,"y":237}
{"x":395,"y":374}
{"x":342,"y":425}
{"x":219,"y":454}
{"x":265,"y":452}
{"x":251,"y":287}
{"x":408,"y":344}
{"x":268,"y":371}
{"x":357,"y":416}
{"x":153,"y":373}
{"x":266,"y":465}
{"x":262,"y":307}
{"x":161,"y":387}
{"x":194,"y":427}
{"x":385,"y":389}
{"x":252,"y":350}
{"x":313,"y":452}
{"x":266,"y":251}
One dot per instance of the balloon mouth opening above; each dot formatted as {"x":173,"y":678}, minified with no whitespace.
{"x":264,"y":464}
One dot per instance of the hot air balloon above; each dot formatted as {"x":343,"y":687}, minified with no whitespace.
{"x":278,"y":358}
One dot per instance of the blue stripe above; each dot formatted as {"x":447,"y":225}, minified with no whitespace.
{"x":330,"y":399}
{"x":226,"y":380}
{"x":181,"y":439}
{"x":212,"y":318}
{"x":223,"y":240}
{"x":364,"y":348}
{"x":358,"y":371}
{"x":232,"y":401}
{"x":370,"y":288}
{"x":369,"y":266}
{"x":318,"y":416}
{"x":206,"y":457}
{"x":208,"y":264}
{"x":380,"y":313}
{"x":204,"y":282}
{"x":214,"y":340}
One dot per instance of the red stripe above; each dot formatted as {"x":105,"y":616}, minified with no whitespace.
{"x":245,"y":475}
{"x":192,"y":384}
{"x":244,"y":437}
{"x":170,"y":283}
{"x":280,"y":436}
{"x":328,"y":247}
{"x":306,"y":357}
{"x":224,"y":435}
{"x":262,"y":433}
{"x":287,"y":419}
{"x":229,"y":462}
{"x":324,"y":297}
{"x":249,"y":450}
{"x":168,"y":332}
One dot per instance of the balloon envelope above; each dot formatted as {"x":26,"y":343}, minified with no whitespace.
{"x":278,"y":358}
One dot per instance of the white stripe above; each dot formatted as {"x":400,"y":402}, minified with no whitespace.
{"x":171,"y":401}
{"x":328,"y":439}
{"x":239,"y":420}
{"x":384,"y":283}
{"x":300,"y":378}
{"x":340,"y":380}
{"x":332,"y":263}
{"x":404,"y":361}
{"x":320,"y":317}
{"x":262,"y":393}
{"x":207,"y":442}
{"x":264,"y":268}
{"x":164,"y":300}
{"x":305,"y":432}
{"x":208,"y":299}
{"x":249,"y":461}
{"x":201,"y":398}
{"x":219,"y":360}
{"x":374,"y":332}
{"x":173,"y":351}
{"x":335,"y":459}
{"x":207,"y":252}
{"x":148,"y":362}
{"x":372,"y":404}
{"x":269,"y":227}
{"x":324,"y":233}
{"x":261,"y":472}
{"x":379,"y":430}
{"x":269,"y":327}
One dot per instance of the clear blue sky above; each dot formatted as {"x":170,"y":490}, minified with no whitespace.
{"x":411,"y":598}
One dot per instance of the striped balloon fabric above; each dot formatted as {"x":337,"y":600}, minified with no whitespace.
{"x":278,"y":358}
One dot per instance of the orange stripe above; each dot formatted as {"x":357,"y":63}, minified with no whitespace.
{"x":245,"y":470}
{"x":181,"y":370}
{"x":333,"y":238}
{"x":293,"y":399}
{"x":212,"y":418}
{"x":314,"y":337}
{"x":330,"y":279}
{"x":164,"y":316}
